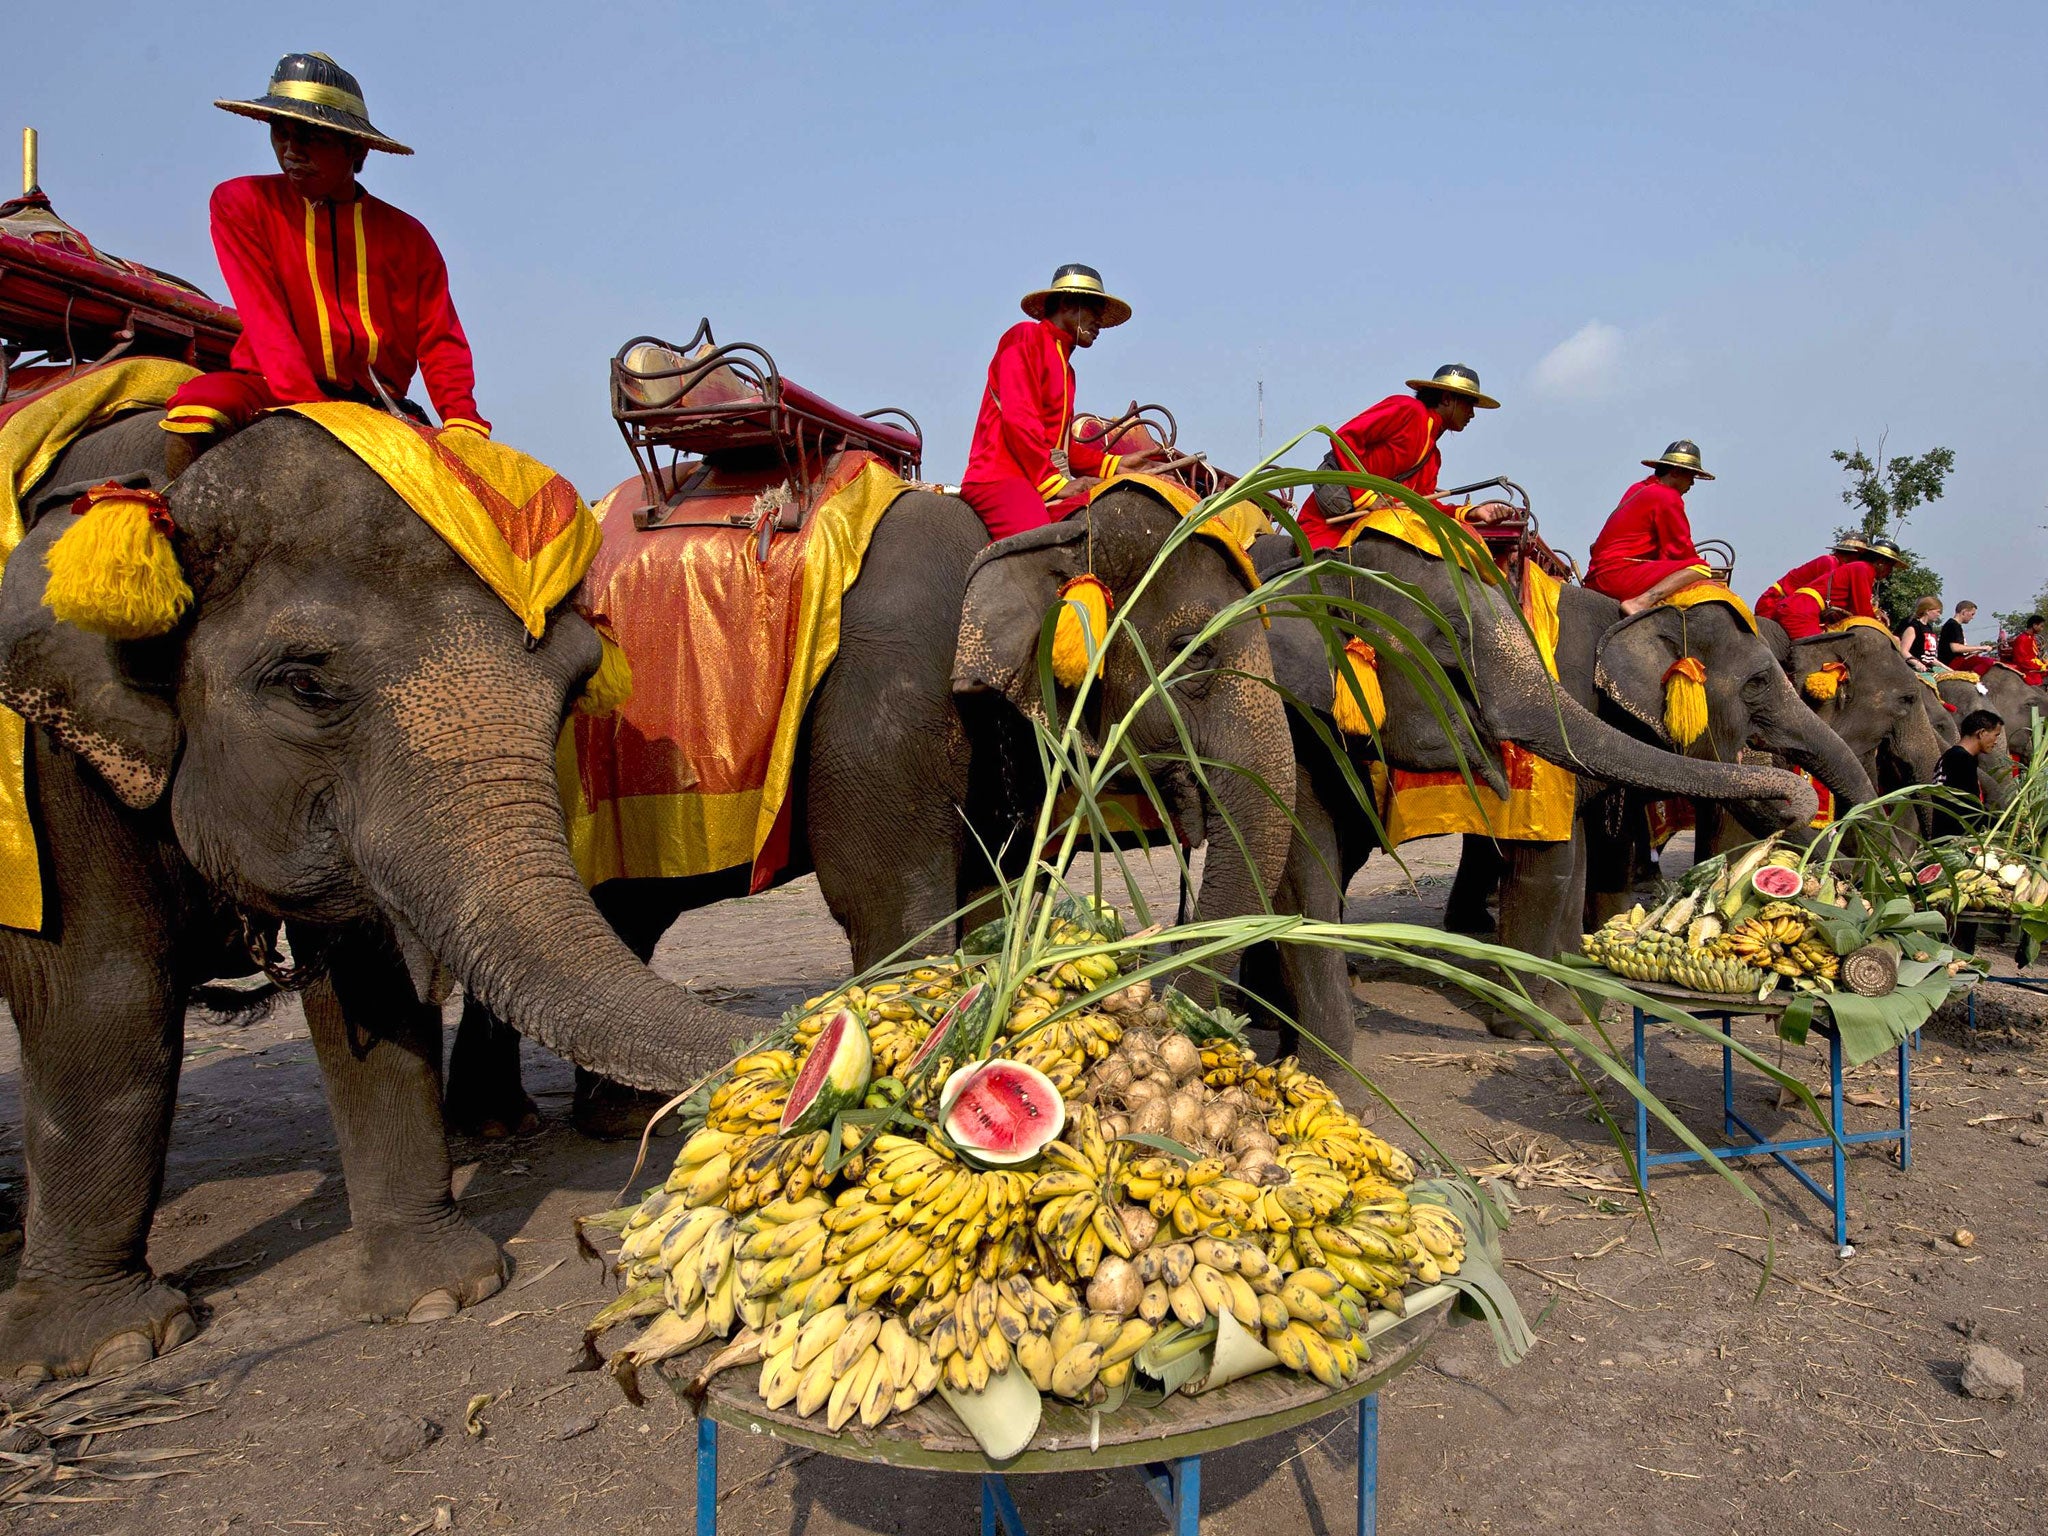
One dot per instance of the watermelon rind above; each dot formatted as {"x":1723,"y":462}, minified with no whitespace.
{"x":834,"y":1075}
{"x":968,"y":1137}
{"x":1776,"y":882}
{"x":957,"y":1034}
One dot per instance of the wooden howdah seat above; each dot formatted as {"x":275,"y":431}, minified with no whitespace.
{"x":64,"y":298}
{"x":722,"y":438}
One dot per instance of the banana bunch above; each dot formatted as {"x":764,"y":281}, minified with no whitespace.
{"x":851,"y":1363}
{"x":1640,"y":954}
{"x":1191,"y":1282}
{"x":1781,"y":939}
{"x":1326,"y":1129}
{"x":703,"y":1170}
{"x":786,"y":1166}
{"x":1713,"y":970}
{"x":1978,"y":887}
{"x":751,"y":1100}
{"x":1440,"y":1236}
{"x":1227,"y":1063}
{"x":1324,"y":1335}
{"x":1076,"y":1220}
{"x":1367,"y":1258}
{"x":922,"y":1225}
{"x":1084,"y":973}
{"x":1202,"y":1198}
{"x":1062,"y":1049}
{"x":1314,"y":1189}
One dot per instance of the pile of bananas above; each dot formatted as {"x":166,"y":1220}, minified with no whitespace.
{"x":1640,"y":954}
{"x":1714,"y":970}
{"x":750,"y":1101}
{"x":1781,"y":939}
{"x":904,"y":1268}
{"x":1330,"y":1131}
{"x":1077,"y":1221}
{"x":1062,"y":1049}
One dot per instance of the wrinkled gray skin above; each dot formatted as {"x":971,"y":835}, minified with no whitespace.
{"x":348,"y":732}
{"x":922,"y":717}
{"x":1881,"y":709}
{"x":1610,"y":733}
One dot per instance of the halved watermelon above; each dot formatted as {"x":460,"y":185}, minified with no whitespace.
{"x":1928,"y":874}
{"x":1776,"y":883}
{"x":958,"y":1032}
{"x":834,"y":1075}
{"x":1001,"y":1112}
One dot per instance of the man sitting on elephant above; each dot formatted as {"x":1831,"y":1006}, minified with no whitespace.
{"x":1645,"y":551}
{"x":341,"y":295}
{"x":1398,"y":440}
{"x":1845,"y":578}
{"x":1025,"y":468}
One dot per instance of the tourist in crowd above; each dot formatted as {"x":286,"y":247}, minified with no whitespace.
{"x":1960,"y":773}
{"x":1955,"y":653}
{"x":1918,"y":639}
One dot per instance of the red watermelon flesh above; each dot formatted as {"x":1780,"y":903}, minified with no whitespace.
{"x":1002,"y":1112}
{"x":1777,"y":883}
{"x":1930,"y":874}
{"x":834,"y":1076}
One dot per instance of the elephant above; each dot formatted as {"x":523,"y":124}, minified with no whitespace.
{"x":347,"y":732}
{"x":917,"y":755}
{"x":1890,"y":718}
{"x":1603,"y":718}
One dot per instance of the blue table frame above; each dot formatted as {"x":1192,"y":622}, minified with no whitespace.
{"x":1836,"y":1196}
{"x":1176,"y":1486}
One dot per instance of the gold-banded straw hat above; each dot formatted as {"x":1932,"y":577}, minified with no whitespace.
{"x":1683,"y":454}
{"x":1882,"y":547}
{"x":1457,"y":379}
{"x":312,"y":88}
{"x":1079,"y":280}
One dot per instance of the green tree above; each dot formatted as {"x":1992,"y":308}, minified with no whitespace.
{"x":1883,"y":491}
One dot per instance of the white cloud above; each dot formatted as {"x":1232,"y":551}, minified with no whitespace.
{"x":1584,"y":366}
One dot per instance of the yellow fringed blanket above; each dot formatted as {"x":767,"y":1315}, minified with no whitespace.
{"x":33,"y":432}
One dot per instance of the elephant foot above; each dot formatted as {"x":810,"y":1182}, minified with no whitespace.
{"x":1460,"y":917}
{"x":1507,"y":1026}
{"x":62,"y":1329}
{"x":609,"y":1111}
{"x":491,"y":1104}
{"x":414,"y":1276}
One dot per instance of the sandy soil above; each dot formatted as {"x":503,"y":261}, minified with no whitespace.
{"x":1673,"y":1389}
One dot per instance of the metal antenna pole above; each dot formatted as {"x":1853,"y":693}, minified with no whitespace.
{"x":1262,"y":418}
{"x":28,"y":162}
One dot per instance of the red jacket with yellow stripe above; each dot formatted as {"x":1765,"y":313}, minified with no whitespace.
{"x":1831,"y":581}
{"x":1027,"y":411}
{"x":327,"y":292}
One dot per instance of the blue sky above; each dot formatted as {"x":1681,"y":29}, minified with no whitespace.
{"x":1776,"y":229}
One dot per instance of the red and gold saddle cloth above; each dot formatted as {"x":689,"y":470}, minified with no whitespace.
{"x":729,"y":619}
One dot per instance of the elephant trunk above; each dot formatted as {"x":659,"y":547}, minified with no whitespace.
{"x":471,"y":854}
{"x":1791,"y":730}
{"x":1576,"y":738}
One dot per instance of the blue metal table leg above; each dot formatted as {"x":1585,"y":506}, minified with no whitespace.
{"x":1176,"y":1487}
{"x":1905,"y":1108}
{"x":1369,"y":1465}
{"x":707,"y":1477}
{"x":1727,"y":1076}
{"x":1642,"y":1110}
{"x":1837,"y":1151}
{"x":999,"y":1513}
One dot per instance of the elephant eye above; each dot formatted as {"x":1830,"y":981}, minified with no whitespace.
{"x":307,"y":687}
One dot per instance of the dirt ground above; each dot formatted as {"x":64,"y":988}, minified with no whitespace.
{"x":1665,"y":1394}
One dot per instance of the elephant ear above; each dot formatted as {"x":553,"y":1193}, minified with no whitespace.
{"x":1010,"y":588}
{"x":83,"y":687}
{"x":1634,"y":655}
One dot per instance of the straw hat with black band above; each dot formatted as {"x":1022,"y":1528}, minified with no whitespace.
{"x":1077,"y":281}
{"x":1457,"y":379}
{"x":312,"y":88}
{"x":1683,"y":454}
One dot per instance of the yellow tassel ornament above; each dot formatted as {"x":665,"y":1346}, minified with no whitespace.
{"x":113,"y":571}
{"x":612,"y":683}
{"x":1827,"y":682}
{"x":1685,"y":701}
{"x":1360,"y":713}
{"x":1078,"y":636}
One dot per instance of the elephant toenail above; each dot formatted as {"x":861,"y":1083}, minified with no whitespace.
{"x":32,"y":1375}
{"x":129,"y":1348}
{"x":436,"y":1306}
{"x":182,"y":1328}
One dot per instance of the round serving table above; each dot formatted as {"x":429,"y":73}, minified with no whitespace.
{"x":1166,"y":1439}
